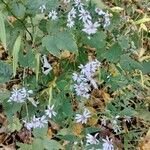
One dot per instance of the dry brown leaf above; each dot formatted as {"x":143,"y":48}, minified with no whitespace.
{"x":8,"y":147}
{"x":92,"y":121}
{"x":106,"y":97}
{"x":49,"y":133}
{"x":145,"y":143}
{"x":65,"y":54}
{"x":77,"y":129}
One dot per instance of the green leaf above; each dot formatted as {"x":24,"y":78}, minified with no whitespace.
{"x":40,"y":132}
{"x":15,"y":125}
{"x":18,"y":10}
{"x":145,"y":67}
{"x":52,"y":145}
{"x":61,"y":41}
{"x":5,"y":72}
{"x":114,"y":53}
{"x":27,"y":60}
{"x":96,"y":41}
{"x":15,"y":52}
{"x":124,"y":42}
{"x":24,"y":146}
{"x":129,"y":64}
{"x":38,"y":144}
{"x":2,"y":30}
{"x":11,"y":109}
{"x":99,"y":3}
{"x":91,"y":130}
{"x":4,"y":94}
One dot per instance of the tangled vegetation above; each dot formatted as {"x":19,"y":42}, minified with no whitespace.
{"x":74,"y":74}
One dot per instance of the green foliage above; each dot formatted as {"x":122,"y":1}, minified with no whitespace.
{"x":5,"y":72}
{"x":28,"y":32}
{"x":61,"y":41}
{"x":2,"y":30}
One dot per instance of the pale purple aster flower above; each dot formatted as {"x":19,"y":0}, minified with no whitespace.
{"x":99,"y":11}
{"x":78,"y":4}
{"x":106,"y":20}
{"x":70,"y":23}
{"x":107,"y":145}
{"x":115,"y":126}
{"x":19,"y":95}
{"x":38,"y":122}
{"x":84,"y":117}
{"x":82,"y":89}
{"x":50,"y":111}
{"x":53,"y":15}
{"x":42,"y":8}
{"x":90,"y":28}
{"x":127,"y":118}
{"x":72,"y":13}
{"x":84,"y":80}
{"x":92,"y":139}
{"x":46,"y":68}
{"x":42,"y":121}
{"x":84,"y":15}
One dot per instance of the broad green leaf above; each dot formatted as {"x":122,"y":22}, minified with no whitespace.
{"x":23,"y":146}
{"x":15,"y":53}
{"x":89,"y":130}
{"x":15,"y":125}
{"x":2,"y":30}
{"x":129,"y":64}
{"x":27,"y":60}
{"x":38,"y":144}
{"x":114,"y":53}
{"x":52,"y":145}
{"x":61,"y":41}
{"x":11,"y":109}
{"x":145,"y":67}
{"x":5,"y":72}
{"x":4,"y":94}
{"x":18,"y":10}
{"x":40,"y":132}
{"x":124,"y":42}
{"x":97,"y":40}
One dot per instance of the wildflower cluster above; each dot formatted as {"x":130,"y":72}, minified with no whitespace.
{"x":40,"y":122}
{"x":83,"y":118}
{"x":78,"y":9}
{"x":19,"y":95}
{"x":84,"y":80}
{"x":107,"y":143}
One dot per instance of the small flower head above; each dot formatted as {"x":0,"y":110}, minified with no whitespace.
{"x":50,"y":111}
{"x":70,"y":23}
{"x":53,"y":15}
{"x":90,"y":28}
{"x":83,"y":118}
{"x":46,"y":66}
{"x":78,"y":4}
{"x":107,"y":145}
{"x":99,"y":11}
{"x":84,"y":15}
{"x":42,"y":8}
{"x":92,"y":139}
{"x":38,"y":122}
{"x":19,"y":95}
